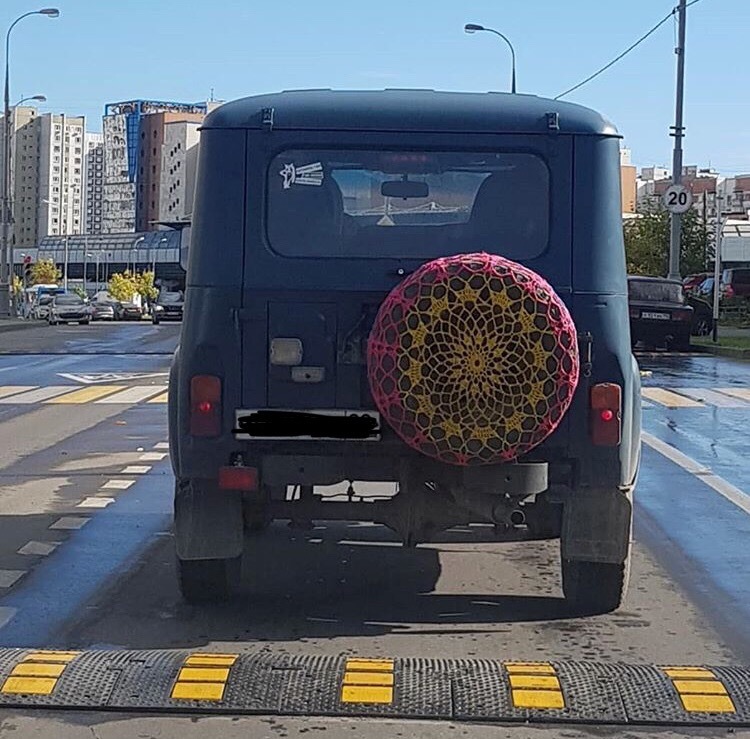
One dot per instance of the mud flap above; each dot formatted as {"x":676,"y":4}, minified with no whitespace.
{"x":597,"y":526}
{"x":207,"y":521}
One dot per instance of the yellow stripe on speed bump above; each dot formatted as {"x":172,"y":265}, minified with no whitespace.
{"x":368,"y":681}
{"x":37,"y":673}
{"x":159,"y":398}
{"x":87,"y":394}
{"x":700,"y":690}
{"x":203,"y":677}
{"x":534,"y":685}
{"x":669,"y":399}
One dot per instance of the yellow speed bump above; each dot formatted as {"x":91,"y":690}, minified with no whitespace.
{"x":700,"y":690}
{"x":37,"y":673}
{"x":534,"y":685}
{"x":368,"y":681}
{"x":203,"y":677}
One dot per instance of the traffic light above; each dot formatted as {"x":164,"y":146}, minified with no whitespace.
{"x":28,"y":266}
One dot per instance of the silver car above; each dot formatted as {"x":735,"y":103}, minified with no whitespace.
{"x":68,"y":309}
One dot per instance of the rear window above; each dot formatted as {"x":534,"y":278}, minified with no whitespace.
{"x":659,"y":292}
{"x":415,"y":204}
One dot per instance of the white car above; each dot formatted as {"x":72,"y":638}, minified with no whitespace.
{"x":68,"y":309}
{"x":41,"y":308}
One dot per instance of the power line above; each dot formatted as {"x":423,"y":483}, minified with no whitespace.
{"x":624,"y":53}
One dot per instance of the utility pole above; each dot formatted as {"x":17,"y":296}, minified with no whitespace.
{"x":717,"y":266}
{"x":678,"y":132}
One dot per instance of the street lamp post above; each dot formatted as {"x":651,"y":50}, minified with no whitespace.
{"x":133,"y":248}
{"x":7,"y":217}
{"x":474,"y":27}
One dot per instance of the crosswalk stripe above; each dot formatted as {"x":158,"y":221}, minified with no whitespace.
{"x":743,"y":393}
{"x":6,"y":390}
{"x":86,"y":394}
{"x":159,"y":398}
{"x":714,"y":398}
{"x":669,"y":399}
{"x":133,"y":394}
{"x":38,"y":395}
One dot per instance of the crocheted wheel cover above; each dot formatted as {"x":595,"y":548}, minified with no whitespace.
{"x":473,"y":359}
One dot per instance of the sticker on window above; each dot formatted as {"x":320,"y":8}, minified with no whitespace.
{"x":309,"y":174}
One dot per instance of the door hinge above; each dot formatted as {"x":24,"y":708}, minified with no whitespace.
{"x":585,"y":348}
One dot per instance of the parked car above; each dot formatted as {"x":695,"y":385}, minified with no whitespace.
{"x":703,"y":315}
{"x":168,"y":307}
{"x":691,"y":283}
{"x":68,"y":308}
{"x":127,"y":311}
{"x":101,"y":311}
{"x":735,"y":283}
{"x":659,"y":315}
{"x":41,"y":307}
{"x":706,"y":288}
{"x":379,"y":314}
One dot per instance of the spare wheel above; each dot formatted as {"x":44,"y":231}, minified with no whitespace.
{"x":473,"y":359}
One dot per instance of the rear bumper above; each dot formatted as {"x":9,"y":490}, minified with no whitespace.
{"x":654,"y":331}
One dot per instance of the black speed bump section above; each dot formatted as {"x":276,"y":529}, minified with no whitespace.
{"x":180,"y":681}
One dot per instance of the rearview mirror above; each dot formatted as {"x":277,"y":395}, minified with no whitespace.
{"x":404,"y":189}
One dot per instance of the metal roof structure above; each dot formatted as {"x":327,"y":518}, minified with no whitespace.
{"x":409,"y":110}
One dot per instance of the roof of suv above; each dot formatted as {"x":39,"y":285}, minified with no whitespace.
{"x":409,"y":110}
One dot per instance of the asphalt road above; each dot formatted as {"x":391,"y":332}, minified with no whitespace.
{"x":86,"y":552}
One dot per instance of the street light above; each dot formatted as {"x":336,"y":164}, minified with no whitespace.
{"x":6,"y":180}
{"x":37,"y":98}
{"x":474,"y":27}
{"x":133,"y":247}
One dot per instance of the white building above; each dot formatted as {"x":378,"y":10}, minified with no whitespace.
{"x":94,"y":182}
{"x":61,"y":165}
{"x":178,"y":160}
{"x":118,"y":205}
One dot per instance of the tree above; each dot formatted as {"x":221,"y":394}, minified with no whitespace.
{"x":647,"y":243}
{"x":122,"y":286}
{"x":145,"y":286}
{"x":44,"y":272}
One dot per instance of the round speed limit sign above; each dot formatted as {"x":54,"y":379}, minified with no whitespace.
{"x":677,"y":199}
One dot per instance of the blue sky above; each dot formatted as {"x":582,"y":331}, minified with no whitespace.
{"x":102,"y":51}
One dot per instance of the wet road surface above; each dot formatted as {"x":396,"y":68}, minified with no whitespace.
{"x":86,"y":552}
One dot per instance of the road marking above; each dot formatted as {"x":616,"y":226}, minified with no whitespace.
{"x":706,"y":395}
{"x":117,"y":484}
{"x":700,"y":690}
{"x":38,"y":395}
{"x":534,"y":685}
{"x":152,"y":456}
{"x":86,"y":394}
{"x":39,"y":548}
{"x":203,"y":677}
{"x":668,"y":398}
{"x":133,"y":394}
{"x":6,"y":390}
{"x":37,"y":673}
{"x":719,"y":484}
{"x":742,"y":393}
{"x":95,"y":502}
{"x":368,"y":681}
{"x":159,"y":398}
{"x":10,"y":577}
{"x":69,"y":523}
{"x":162,"y":445}
{"x":135,"y":469}
{"x":96,"y":377}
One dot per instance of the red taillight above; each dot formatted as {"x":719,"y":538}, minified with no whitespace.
{"x":606,"y":402}
{"x":238,"y":478}
{"x":205,"y":405}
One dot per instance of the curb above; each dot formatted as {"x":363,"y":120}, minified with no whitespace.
{"x":726,"y":351}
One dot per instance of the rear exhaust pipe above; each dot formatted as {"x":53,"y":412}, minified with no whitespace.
{"x":517,"y":517}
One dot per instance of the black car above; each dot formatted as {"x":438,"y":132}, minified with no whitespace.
{"x":169,"y":306}
{"x":659,"y":315}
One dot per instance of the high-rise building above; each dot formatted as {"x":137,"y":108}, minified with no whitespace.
{"x":132,"y":160}
{"x":61,"y":178}
{"x":94,"y":185}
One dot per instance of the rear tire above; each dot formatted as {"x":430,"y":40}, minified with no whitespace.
{"x":594,"y":587}
{"x":207,"y":580}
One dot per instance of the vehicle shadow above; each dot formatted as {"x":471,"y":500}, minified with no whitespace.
{"x":336,"y":580}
